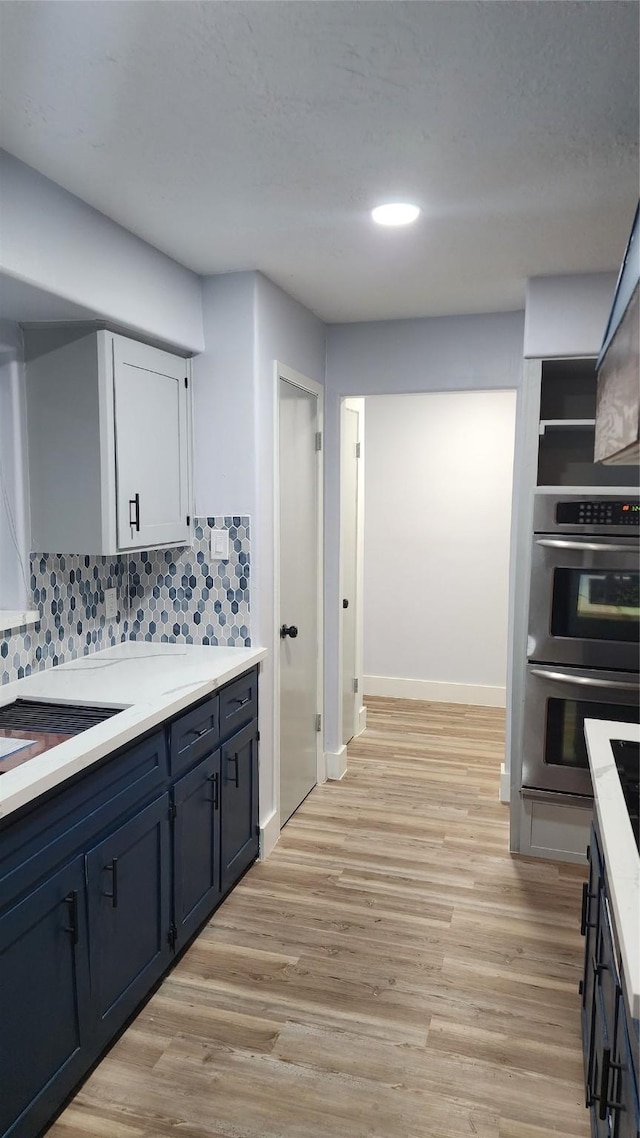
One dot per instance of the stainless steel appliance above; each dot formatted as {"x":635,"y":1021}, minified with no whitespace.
{"x":28,"y":727}
{"x":558,"y":701}
{"x":585,"y":582}
{"x":584,"y":621}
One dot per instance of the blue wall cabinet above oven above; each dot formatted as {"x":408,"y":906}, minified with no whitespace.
{"x":112,"y":415}
{"x":239,"y":804}
{"x":128,"y":901}
{"x":196,"y":846}
{"x":44,"y":998}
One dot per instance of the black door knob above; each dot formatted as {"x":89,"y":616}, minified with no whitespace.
{"x":345,"y":603}
{"x":288,"y":630}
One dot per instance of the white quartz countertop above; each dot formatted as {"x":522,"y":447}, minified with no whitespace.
{"x":619,"y":848}
{"x":153,"y":682}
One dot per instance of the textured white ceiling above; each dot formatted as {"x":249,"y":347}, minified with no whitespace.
{"x":249,"y":135}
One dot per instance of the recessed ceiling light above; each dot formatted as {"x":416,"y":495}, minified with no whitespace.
{"x":395,"y":213}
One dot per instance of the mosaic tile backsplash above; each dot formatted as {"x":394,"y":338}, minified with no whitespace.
{"x":181,"y":596}
{"x":169,"y":595}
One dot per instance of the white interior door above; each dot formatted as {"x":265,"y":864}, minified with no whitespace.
{"x":299,"y":567}
{"x":349,"y":567}
{"x":151,"y":408}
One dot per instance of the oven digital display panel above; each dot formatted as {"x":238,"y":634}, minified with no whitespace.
{"x":599,"y":511}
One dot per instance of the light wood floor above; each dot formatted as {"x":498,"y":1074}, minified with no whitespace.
{"x":390,"y":971}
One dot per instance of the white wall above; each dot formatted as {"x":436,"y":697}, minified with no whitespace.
{"x":567,"y":315}
{"x":438,"y":489}
{"x":457,"y":353}
{"x":224,"y":399}
{"x":14,"y":505}
{"x":55,"y":242}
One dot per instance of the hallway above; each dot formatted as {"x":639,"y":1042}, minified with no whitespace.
{"x":390,"y":971}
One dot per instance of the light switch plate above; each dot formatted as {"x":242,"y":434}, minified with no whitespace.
{"x":110,"y":603}
{"x":219,"y":544}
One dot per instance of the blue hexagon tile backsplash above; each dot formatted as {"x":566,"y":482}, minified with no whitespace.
{"x":169,"y":595}
{"x":183,"y":596}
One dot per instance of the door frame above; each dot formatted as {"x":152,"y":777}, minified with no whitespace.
{"x":296,"y":379}
{"x":356,"y":404}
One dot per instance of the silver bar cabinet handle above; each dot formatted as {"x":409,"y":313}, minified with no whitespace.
{"x":591,"y":546}
{"x":584,"y":681}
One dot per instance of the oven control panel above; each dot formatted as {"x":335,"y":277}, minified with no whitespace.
{"x":598,"y":512}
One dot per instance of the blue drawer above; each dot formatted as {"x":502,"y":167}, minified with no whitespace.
{"x":194,"y":735}
{"x":238,"y":704}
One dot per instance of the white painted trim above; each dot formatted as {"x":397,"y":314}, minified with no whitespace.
{"x":336,"y":762}
{"x":358,"y":405}
{"x":362,"y":720}
{"x":13,"y":619}
{"x":393,"y":687}
{"x":269,"y":834}
{"x":555,"y":831}
{"x":505,"y":785}
{"x":281,"y":371}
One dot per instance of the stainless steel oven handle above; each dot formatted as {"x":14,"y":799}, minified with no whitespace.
{"x":585,"y":681}
{"x":591,"y":546}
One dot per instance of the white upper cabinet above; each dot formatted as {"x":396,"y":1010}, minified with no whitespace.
{"x":150,"y":407}
{"x":109,"y":443}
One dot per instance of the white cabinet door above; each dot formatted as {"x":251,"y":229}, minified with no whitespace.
{"x":151,"y":437}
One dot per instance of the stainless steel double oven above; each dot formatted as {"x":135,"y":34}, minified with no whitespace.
{"x":584,"y":617}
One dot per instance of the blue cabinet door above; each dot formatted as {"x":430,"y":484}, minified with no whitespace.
{"x":624,"y":1108}
{"x":238,"y":804}
{"x":196,"y":846}
{"x":43,"y":1000}
{"x":589,"y":927}
{"x":128,"y":880}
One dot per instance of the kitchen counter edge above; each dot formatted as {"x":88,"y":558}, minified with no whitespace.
{"x":620,"y":852}
{"x":23,"y":784}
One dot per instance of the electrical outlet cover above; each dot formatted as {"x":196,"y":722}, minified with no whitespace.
{"x":110,"y":604}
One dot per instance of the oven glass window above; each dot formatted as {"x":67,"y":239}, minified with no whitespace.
{"x":596,"y":604}
{"x":565,"y":744}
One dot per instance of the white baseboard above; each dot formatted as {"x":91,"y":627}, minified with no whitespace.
{"x":505,"y":785}
{"x":336,"y":763}
{"x":362,"y":721}
{"x":393,"y":687}
{"x":269,"y":834}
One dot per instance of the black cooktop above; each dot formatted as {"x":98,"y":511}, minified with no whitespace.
{"x":627,"y":756}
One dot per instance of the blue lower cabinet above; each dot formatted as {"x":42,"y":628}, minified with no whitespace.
{"x":101,"y":882}
{"x":196,"y":846}
{"x":44,"y":999}
{"x":589,"y":927}
{"x":622,"y":1105}
{"x":600,"y":1070}
{"x":128,"y":886}
{"x":610,"y":1061}
{"x":238,"y":804}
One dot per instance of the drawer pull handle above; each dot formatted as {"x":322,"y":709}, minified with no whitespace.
{"x":584,"y":921}
{"x":134,"y":521}
{"x":236,"y":778}
{"x":213,"y":779}
{"x":243,"y":701}
{"x":72,"y":901}
{"x":598,"y":966}
{"x":201,"y":731}
{"x":112,"y":868}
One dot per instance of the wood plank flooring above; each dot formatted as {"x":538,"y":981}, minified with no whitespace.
{"x":389,"y":972}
